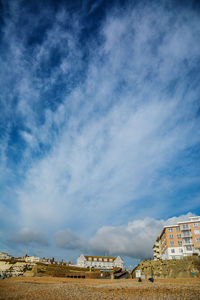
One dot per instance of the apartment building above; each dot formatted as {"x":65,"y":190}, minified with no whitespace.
{"x":178,"y":240}
{"x":99,"y":262}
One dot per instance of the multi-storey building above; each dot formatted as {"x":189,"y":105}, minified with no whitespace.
{"x":101,"y":262}
{"x":179,"y":240}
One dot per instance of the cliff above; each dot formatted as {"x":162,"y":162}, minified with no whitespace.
{"x":13,"y":268}
{"x":187,"y":267}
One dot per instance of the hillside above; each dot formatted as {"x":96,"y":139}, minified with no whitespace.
{"x":187,"y":267}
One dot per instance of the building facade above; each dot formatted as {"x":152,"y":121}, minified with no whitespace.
{"x":33,"y":259}
{"x":99,"y":262}
{"x":179,"y":240}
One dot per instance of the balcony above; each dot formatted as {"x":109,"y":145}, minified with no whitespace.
{"x":185,"y":227}
{"x":188,"y":243}
{"x":186,"y":234}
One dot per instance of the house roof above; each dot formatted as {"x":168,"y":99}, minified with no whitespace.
{"x":98,"y":257}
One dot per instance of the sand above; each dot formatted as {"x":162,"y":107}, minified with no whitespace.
{"x":86,"y":289}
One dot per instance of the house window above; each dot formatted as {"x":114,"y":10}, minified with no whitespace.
{"x":177,"y":229}
{"x":171,"y":236}
{"x":180,"y":243}
{"x":95,"y":259}
{"x":100,"y":259}
{"x":170,"y":229}
{"x":172,"y":250}
{"x":171,"y":243}
{"x":110,"y":259}
{"x":90,"y":258}
{"x":105,"y":259}
{"x":198,"y":239}
{"x":178,"y":236}
{"x":180,"y":250}
{"x":195,"y":224}
{"x":196,"y":232}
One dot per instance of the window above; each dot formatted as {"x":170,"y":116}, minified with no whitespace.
{"x":171,"y":243}
{"x":171,"y":236}
{"x":177,"y":229}
{"x":170,"y":229}
{"x":95,"y":259}
{"x":180,"y":243}
{"x":110,"y":259}
{"x":90,"y":258}
{"x":178,"y":236}
{"x":196,"y":232}
{"x":172,"y":250}
{"x":180,"y":250}
{"x":198,"y":239}
{"x":100,"y":259}
{"x":105,"y":259}
{"x":195,"y":224}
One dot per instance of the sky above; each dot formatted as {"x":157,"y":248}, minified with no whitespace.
{"x":99,"y":125}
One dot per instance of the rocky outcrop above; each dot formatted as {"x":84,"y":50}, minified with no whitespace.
{"x":187,"y":267}
{"x":10,"y":269}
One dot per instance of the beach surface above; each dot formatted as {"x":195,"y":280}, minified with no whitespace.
{"x":86,"y":289}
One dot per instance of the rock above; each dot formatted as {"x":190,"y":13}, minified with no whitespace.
{"x":10,"y":269}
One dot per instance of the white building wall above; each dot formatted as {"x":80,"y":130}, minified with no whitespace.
{"x":82,"y":262}
{"x":33,"y":259}
{"x":173,"y":253}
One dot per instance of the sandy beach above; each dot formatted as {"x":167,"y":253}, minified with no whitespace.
{"x":87,"y":289}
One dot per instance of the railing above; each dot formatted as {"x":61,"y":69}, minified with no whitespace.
{"x":187,"y":243}
{"x":188,"y":234}
{"x":185,"y":227}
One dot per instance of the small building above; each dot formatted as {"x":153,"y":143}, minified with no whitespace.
{"x":99,"y":262}
{"x":33,"y":259}
{"x":4,"y":255}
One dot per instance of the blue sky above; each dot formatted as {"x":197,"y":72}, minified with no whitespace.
{"x":99,"y":124}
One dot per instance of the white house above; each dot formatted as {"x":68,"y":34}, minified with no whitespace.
{"x":33,"y":259}
{"x":4,"y":255}
{"x":99,"y":262}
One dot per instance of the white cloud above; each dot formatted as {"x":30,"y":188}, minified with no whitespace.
{"x":134,"y":240}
